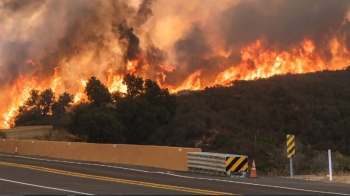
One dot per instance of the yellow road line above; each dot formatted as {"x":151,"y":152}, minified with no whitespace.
{"x":118,"y":180}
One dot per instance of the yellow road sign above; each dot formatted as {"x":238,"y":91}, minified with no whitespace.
{"x":290,"y":146}
{"x":237,"y":164}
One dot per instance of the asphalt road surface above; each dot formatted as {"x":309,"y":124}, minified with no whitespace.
{"x":48,"y":176}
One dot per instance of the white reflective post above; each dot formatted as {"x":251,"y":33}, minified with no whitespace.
{"x":330,"y":164}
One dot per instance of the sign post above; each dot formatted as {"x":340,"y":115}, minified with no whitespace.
{"x":290,"y":151}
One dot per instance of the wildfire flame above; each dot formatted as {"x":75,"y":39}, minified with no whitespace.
{"x":192,"y":82}
{"x":131,"y":66}
{"x":20,"y":93}
{"x":114,"y":82}
{"x":31,"y":62}
{"x":56,"y":81}
{"x":308,"y":46}
{"x":81,"y":97}
{"x":258,"y":61}
{"x":235,"y":40}
{"x":167,"y":68}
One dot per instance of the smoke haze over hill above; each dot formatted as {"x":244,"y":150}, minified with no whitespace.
{"x":180,"y":44}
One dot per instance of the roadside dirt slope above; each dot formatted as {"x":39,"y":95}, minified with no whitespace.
{"x":27,"y":132}
{"x":339,"y":179}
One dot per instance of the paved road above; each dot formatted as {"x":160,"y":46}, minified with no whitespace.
{"x":42,"y":175}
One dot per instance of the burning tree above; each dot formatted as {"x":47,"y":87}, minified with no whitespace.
{"x":97,"y":93}
{"x":42,"y":108}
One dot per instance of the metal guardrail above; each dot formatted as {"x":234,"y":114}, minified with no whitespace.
{"x":217,"y":163}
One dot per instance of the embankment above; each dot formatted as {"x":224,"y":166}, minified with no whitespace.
{"x":27,"y":132}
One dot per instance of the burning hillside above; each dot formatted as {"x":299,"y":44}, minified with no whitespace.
{"x":181,"y":45}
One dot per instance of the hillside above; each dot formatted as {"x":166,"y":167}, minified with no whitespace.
{"x":253,"y":117}
{"x":250,"y":118}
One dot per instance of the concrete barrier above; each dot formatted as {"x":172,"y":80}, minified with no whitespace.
{"x":173,"y":158}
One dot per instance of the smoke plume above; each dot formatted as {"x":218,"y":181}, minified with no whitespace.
{"x":167,"y":41}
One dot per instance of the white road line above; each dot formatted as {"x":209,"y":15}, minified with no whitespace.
{"x":180,"y":176}
{"x":263,"y":185}
{"x":45,"y":187}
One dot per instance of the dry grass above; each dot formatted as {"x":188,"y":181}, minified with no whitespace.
{"x":60,"y":135}
{"x":28,"y":132}
{"x":39,"y":133}
{"x":345,"y":178}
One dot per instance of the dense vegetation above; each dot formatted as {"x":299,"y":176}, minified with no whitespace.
{"x":133,"y":117}
{"x":250,"y":118}
{"x":43,"y":108}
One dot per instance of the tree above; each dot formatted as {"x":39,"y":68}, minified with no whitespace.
{"x":30,"y":113}
{"x":34,"y":98}
{"x":134,"y":85}
{"x":99,"y":125}
{"x":59,"y":112}
{"x":95,"y":121}
{"x":64,"y":100}
{"x":145,"y":108}
{"x":46,"y":101}
{"x":42,"y":108}
{"x":97,"y":93}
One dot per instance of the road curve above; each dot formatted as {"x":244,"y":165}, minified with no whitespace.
{"x":42,"y":175}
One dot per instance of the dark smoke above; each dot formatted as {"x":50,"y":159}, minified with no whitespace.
{"x":72,"y":30}
{"x":86,"y":28}
{"x":18,"y":5}
{"x":191,"y":52}
{"x":10,"y":67}
{"x":144,"y":12}
{"x":346,"y":33}
{"x":129,"y":41}
{"x":282,"y":24}
{"x":14,"y":55}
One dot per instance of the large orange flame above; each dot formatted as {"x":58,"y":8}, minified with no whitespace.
{"x":258,"y":60}
{"x":80,"y":97}
{"x":56,"y":81}
{"x":192,"y":82}
{"x":114,"y":82}
{"x":20,"y":93}
{"x":131,"y":66}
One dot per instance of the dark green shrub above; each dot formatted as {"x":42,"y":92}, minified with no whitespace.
{"x":3,"y":135}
